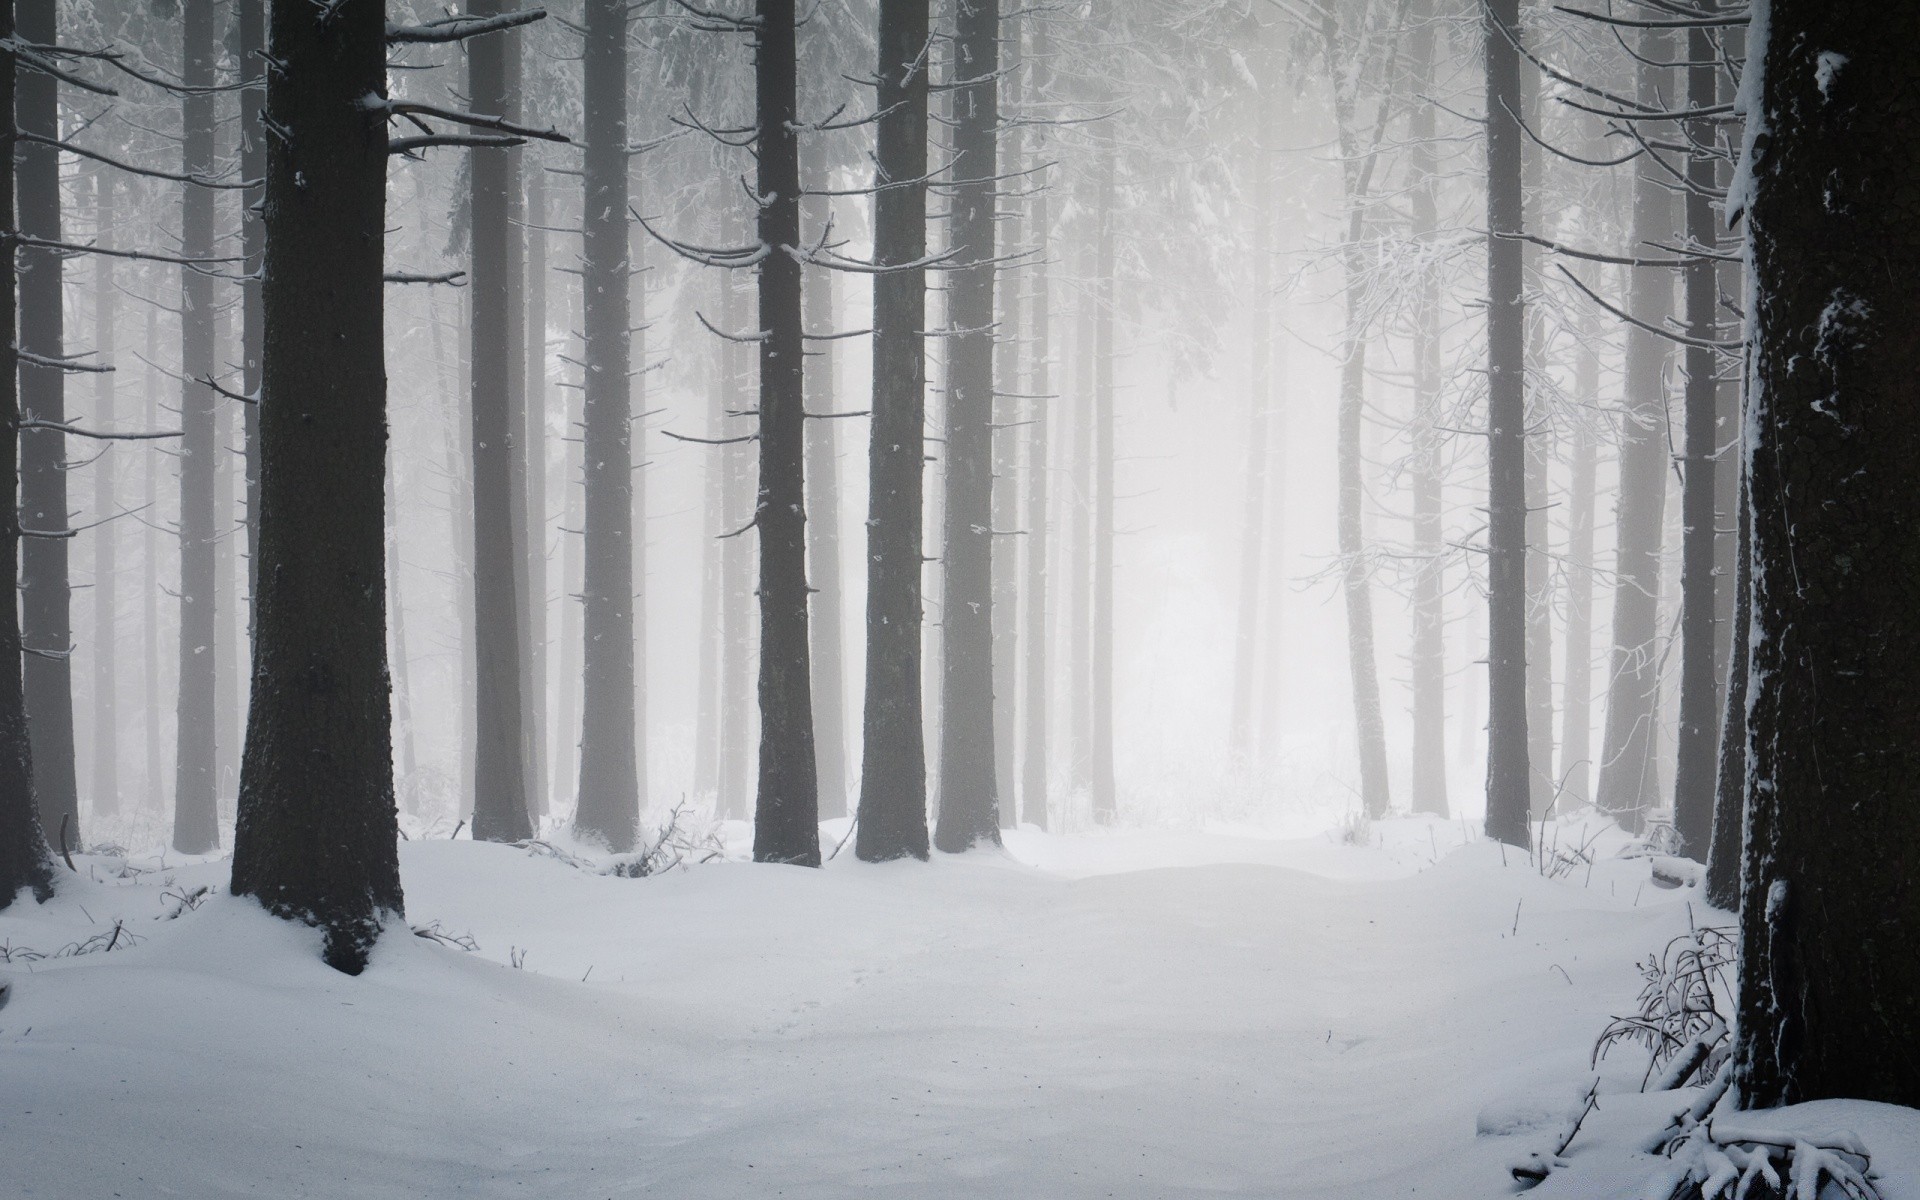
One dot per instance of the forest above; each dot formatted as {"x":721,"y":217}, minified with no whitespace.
{"x":942,"y":598}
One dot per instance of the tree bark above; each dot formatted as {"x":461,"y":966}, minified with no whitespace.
{"x":823,"y":532}
{"x":501,"y":803}
{"x":1829,"y":1001}
{"x":736,"y":636}
{"x":1628,"y":778}
{"x":533,"y":456}
{"x":786,"y":826}
{"x":24,"y":858}
{"x":196,"y":827}
{"x":1730,"y":786}
{"x":315,"y":839}
{"x":252,"y":20}
{"x":1034,"y":778}
{"x":150,"y":554}
{"x":1697,"y":745}
{"x":609,"y":795}
{"x":969,"y":799}
{"x":1507,"y":744}
{"x":893,"y":765}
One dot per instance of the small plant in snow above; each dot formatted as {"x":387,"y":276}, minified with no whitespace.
{"x":1683,"y":1010}
{"x":540,"y":848}
{"x":676,"y":844}
{"x":10,"y":953}
{"x":180,"y":900}
{"x":432,"y":932}
{"x":1356,"y":829}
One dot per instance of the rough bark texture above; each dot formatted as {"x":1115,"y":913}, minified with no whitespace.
{"x":1507,"y":753}
{"x":609,"y":797}
{"x":45,"y":595}
{"x":1697,"y":744}
{"x":316,"y":834}
{"x":786,"y":825}
{"x":1829,"y":981}
{"x":500,"y":795}
{"x":24,"y":859}
{"x":1628,"y":780}
{"x":196,"y":825}
{"x":969,"y":800}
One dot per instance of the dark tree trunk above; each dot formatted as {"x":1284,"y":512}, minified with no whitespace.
{"x":251,"y":15}
{"x":823,"y":537}
{"x":893,"y":764}
{"x":501,"y":803}
{"x":1829,"y":981}
{"x":315,"y":839}
{"x":1008,"y":351}
{"x":106,"y":538}
{"x":1730,"y":787}
{"x":196,"y":822}
{"x":1428,"y":662}
{"x":45,"y":594}
{"x":969,"y":802}
{"x":1507,"y":752}
{"x":24,"y":858}
{"x":1034,"y":780}
{"x":1628,"y":779}
{"x":786,"y":826}
{"x":1697,"y":746}
{"x":609,"y":801}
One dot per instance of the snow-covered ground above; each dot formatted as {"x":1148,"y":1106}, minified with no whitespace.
{"x":1133,"y":1014}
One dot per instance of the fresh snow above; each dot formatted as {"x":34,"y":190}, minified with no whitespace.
{"x":1133,"y":1014}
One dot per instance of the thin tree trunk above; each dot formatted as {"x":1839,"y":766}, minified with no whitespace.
{"x":252,"y":20}
{"x":1079,"y":547}
{"x":397,"y":622}
{"x":1105,"y":801}
{"x":154,"y":784}
{"x":1429,"y":663}
{"x":1576,"y":706}
{"x":229,"y":689}
{"x":1829,"y":1001}
{"x":24,"y":859}
{"x":533,"y":454}
{"x":637,"y":403}
{"x":715,"y":469}
{"x":315,"y":839}
{"x":196,"y":828}
{"x":1253,"y":532}
{"x":1507,"y":745}
{"x":786,"y":825}
{"x":1628,"y":780}
{"x":106,"y":538}
{"x":566,"y":762}
{"x":501,"y":803}
{"x":1730,"y":788}
{"x":893,"y":766}
{"x":609,"y":793}
{"x":736,"y":633}
{"x":1542,"y":433}
{"x":1034,"y":779}
{"x":1009,"y":350}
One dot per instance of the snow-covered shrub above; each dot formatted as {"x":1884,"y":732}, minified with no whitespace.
{"x":1684,"y":1009}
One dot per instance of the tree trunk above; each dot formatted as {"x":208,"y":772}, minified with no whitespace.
{"x":1698,"y":745}
{"x":501,"y":803}
{"x":196,"y":828}
{"x":1507,"y":746}
{"x":315,"y":839}
{"x":1079,"y":548}
{"x":823,"y":531}
{"x":1628,"y":780}
{"x":1034,"y":779}
{"x":397,"y":623}
{"x":1428,"y":663}
{"x":1576,"y":705}
{"x":708,"y":722}
{"x":1253,"y":533}
{"x":1829,"y":981}
{"x":1005,"y":436}
{"x":24,"y":859}
{"x":106,"y":538}
{"x":252,"y":19}
{"x":571,"y":681}
{"x":969,"y":802}
{"x":1730,"y":786}
{"x":786,"y":825}
{"x":609,"y":796}
{"x":1105,"y":802}
{"x":736,"y":638}
{"x":533,"y":457}
{"x":150,"y":592}
{"x":45,"y":594}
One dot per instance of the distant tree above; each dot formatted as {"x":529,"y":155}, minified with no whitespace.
{"x":1829,"y":1000}
{"x":893,"y":768}
{"x":24,"y":859}
{"x":315,"y":839}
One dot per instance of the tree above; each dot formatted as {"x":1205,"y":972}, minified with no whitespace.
{"x":24,"y":859}
{"x":1035,"y":589}
{"x":106,"y":718}
{"x":1829,"y":983}
{"x":1507,"y":755}
{"x":893,"y":765}
{"x":786,"y":809}
{"x":315,"y":839}
{"x":609,"y":802}
{"x":501,"y":801}
{"x":969,"y":799}
{"x":45,"y":595}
